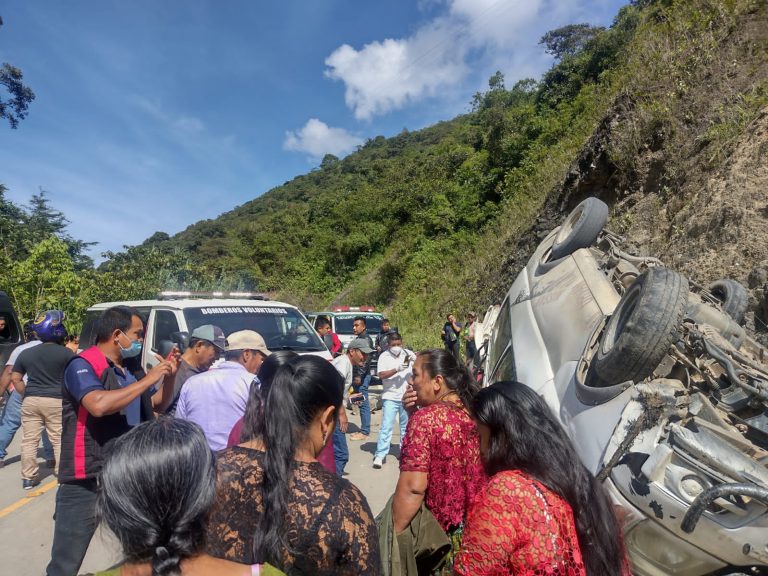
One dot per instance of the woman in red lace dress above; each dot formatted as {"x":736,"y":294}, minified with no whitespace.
{"x":542,"y":513}
{"x":440,"y":456}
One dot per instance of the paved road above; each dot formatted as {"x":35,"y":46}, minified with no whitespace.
{"x":26,"y":525}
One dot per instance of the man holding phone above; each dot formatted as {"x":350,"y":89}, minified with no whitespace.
{"x":394,"y":369}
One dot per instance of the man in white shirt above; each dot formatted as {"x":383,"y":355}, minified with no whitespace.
{"x":10,"y":415}
{"x":395,"y":368}
{"x":356,"y":355}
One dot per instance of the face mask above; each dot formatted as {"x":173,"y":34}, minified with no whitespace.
{"x":395,"y":350}
{"x":132,"y":351}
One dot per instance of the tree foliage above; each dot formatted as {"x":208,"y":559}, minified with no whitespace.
{"x":14,"y":105}
{"x":419,"y":223}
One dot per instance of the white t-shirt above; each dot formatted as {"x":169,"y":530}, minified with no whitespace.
{"x":394,"y":387}
{"x":15,"y":354}
{"x":344,"y":367}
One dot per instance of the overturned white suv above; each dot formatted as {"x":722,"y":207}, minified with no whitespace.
{"x":662,"y":391}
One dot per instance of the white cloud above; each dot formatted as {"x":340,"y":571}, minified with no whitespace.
{"x":387,"y":75}
{"x":494,"y":34}
{"x":317,"y":139}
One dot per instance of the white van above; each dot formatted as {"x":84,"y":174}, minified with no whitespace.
{"x":171,"y":319}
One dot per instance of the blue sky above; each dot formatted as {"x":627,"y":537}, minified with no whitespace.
{"x":151,"y":115}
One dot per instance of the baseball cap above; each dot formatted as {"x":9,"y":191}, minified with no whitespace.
{"x":212,"y":334}
{"x":247,"y":340}
{"x":360,"y":344}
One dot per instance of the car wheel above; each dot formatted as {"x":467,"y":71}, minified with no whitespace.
{"x":581,"y":228}
{"x":733,"y":297}
{"x":640,"y":332}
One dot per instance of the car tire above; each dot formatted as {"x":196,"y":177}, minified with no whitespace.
{"x":641,"y":330}
{"x":733,"y":297}
{"x":580,"y":229}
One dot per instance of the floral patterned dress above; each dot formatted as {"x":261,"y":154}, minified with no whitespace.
{"x":518,"y":526}
{"x":331,"y":529}
{"x":442,"y":440}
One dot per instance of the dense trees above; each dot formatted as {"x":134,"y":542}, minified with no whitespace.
{"x":13,"y":108}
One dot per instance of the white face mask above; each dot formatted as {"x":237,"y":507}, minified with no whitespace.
{"x":395,"y":350}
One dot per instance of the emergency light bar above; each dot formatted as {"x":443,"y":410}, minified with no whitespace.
{"x":174,"y":294}
{"x":353,"y":309}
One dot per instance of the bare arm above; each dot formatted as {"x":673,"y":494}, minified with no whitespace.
{"x":17,"y":378}
{"x":104,"y":402}
{"x":5,"y":379}
{"x":387,"y":373}
{"x":409,"y":495}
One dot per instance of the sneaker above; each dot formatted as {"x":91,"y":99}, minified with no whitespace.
{"x":29,"y":484}
{"x":378,"y":462}
{"x":358,"y":436}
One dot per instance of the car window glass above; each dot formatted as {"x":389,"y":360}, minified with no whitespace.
{"x":343,"y":324}
{"x":502,"y":334}
{"x":506,"y":368}
{"x":88,"y":333}
{"x":281,"y":328}
{"x":165,"y":325}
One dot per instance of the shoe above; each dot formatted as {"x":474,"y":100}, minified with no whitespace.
{"x":29,"y":484}
{"x":358,"y":436}
{"x":378,"y":462}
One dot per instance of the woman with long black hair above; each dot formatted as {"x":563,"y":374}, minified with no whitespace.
{"x":276,"y":502}
{"x":156,"y":493}
{"x":542,"y":512}
{"x":252,"y":422}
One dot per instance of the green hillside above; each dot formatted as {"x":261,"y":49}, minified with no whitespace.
{"x":415,"y":223}
{"x":440,"y":219}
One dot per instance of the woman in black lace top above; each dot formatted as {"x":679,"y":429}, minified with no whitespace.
{"x":276,"y":503}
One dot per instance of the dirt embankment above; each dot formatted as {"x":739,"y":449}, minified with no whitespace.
{"x":690,"y":185}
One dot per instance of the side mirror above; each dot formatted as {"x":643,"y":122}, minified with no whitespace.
{"x":181,"y":339}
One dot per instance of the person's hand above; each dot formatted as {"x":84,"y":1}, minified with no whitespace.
{"x":409,"y":399}
{"x":343,"y":420}
{"x":174,"y":357}
{"x":161,"y":370}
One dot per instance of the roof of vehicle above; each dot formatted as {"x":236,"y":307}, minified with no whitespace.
{"x":184,"y":303}
{"x":346,"y":313}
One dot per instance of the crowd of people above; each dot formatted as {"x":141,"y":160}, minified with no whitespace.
{"x":228,"y":458}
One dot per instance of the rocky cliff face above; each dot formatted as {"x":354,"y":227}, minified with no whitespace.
{"x":683,"y":163}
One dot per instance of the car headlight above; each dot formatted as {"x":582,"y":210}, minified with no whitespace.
{"x":655,"y":551}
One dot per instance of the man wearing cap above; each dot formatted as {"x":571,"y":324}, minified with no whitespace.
{"x":216,"y":399}
{"x":356,"y":356}
{"x":206,"y":344}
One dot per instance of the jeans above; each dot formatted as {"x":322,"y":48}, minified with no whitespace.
{"x":75,"y":518}
{"x":10,"y":421}
{"x":391,"y":409}
{"x":365,"y":406}
{"x":340,"y":450}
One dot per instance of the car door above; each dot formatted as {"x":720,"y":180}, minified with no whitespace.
{"x":11,"y":336}
{"x":158,"y":340}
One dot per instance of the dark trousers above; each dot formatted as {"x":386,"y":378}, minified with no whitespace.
{"x":365,"y":407}
{"x":75,"y":524}
{"x":340,"y":450}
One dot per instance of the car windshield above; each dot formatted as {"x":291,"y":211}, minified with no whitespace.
{"x":281,"y":328}
{"x":344,"y":323}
